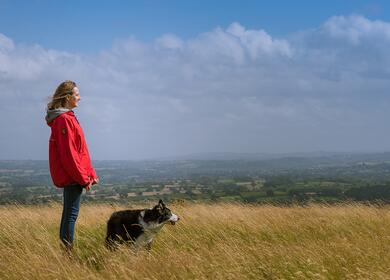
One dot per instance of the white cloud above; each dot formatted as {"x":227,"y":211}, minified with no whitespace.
{"x":6,"y":44}
{"x":258,"y":42}
{"x":356,"y":28}
{"x":170,"y":41}
{"x":230,"y":89}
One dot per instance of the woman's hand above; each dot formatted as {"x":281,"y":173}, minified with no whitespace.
{"x":95,"y":181}
{"x":88,"y":186}
{"x":92,"y":182}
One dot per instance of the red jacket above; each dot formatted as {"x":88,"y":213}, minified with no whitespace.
{"x":68,"y":152}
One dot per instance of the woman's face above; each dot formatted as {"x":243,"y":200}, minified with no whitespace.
{"x":74,"y":99}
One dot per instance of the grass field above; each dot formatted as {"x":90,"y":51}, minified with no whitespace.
{"x":211,"y":241}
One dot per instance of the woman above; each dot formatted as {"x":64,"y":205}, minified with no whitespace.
{"x":70,"y":164}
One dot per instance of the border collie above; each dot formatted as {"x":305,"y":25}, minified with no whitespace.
{"x":138,"y":227}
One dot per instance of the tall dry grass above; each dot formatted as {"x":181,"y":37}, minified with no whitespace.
{"x":220,"y":241}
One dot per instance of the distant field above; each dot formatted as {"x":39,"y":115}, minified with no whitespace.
{"x":216,"y":241}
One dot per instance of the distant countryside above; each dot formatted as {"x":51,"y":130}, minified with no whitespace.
{"x":322,"y":177}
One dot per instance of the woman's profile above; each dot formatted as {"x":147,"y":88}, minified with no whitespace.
{"x":69,"y":160}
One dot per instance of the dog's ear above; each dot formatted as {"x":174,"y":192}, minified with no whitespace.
{"x":161,"y":203}
{"x":160,"y":206}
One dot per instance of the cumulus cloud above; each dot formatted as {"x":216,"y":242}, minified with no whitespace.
{"x":6,"y":44}
{"x":230,"y":89}
{"x":356,"y":28}
{"x":170,"y":41}
{"x":257,"y":42}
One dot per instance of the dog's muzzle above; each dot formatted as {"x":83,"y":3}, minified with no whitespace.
{"x":173,"y":219}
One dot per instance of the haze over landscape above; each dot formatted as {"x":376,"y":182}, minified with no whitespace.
{"x":253,"y":78}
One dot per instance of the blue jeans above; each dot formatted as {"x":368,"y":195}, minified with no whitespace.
{"x":72,"y":198}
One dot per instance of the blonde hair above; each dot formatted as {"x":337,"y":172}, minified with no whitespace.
{"x":60,"y":96}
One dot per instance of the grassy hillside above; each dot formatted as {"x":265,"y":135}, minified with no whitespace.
{"x":220,"y":241}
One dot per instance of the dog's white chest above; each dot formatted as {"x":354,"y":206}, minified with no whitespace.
{"x":150,"y":231}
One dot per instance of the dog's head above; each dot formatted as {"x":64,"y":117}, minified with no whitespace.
{"x":163,"y":214}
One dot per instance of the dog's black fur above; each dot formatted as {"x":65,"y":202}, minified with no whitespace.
{"x":137,"y":226}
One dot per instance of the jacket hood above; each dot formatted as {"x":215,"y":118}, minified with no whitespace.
{"x":52,"y":114}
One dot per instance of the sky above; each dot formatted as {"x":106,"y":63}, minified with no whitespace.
{"x":171,"y":78}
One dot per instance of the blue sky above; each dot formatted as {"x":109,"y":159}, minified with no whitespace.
{"x":170,"y":78}
{"x":89,"y":26}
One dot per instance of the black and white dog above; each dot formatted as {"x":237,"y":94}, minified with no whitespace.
{"x":138,"y":227}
